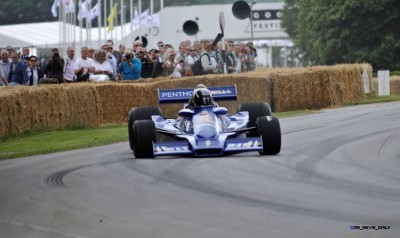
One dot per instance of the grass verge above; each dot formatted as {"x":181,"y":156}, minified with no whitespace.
{"x":43,"y":142}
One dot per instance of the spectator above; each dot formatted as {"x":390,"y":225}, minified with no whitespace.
{"x":207,"y":61}
{"x":25,"y":53}
{"x":17,"y":75}
{"x":182,"y":51}
{"x":131,"y":67}
{"x":69,"y":65}
{"x":157,"y":63}
{"x":121,"y":49}
{"x":84,"y":66}
{"x":147,"y":62}
{"x":10,"y":51}
{"x":102,"y":68}
{"x":91,"y":52}
{"x":108,"y":48}
{"x":239,"y":58}
{"x":161,"y":48}
{"x":5,"y":65}
{"x":136,"y":44}
{"x":230,"y":58}
{"x":179,"y":68}
{"x":3,"y":78}
{"x":169,"y":63}
{"x":116,"y":53}
{"x":190,"y":61}
{"x":35,"y":72}
{"x":197,"y":47}
{"x":54,"y":68}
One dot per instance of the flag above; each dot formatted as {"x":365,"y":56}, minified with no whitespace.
{"x":153,"y":21}
{"x":111,"y":17}
{"x":83,"y":10}
{"x":69,"y":6}
{"x":54,"y":7}
{"x":143,"y":20}
{"x":95,"y":11}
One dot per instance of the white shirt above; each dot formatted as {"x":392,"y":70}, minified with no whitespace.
{"x":69,"y":69}
{"x":84,"y":63}
{"x":105,"y":66}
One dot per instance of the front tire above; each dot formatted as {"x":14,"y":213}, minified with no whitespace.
{"x":255,"y":110}
{"x":140,"y":113}
{"x":144,"y":134}
{"x":270,"y":132}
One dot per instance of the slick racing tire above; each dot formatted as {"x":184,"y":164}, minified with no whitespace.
{"x":140,"y":113}
{"x":144,"y":134}
{"x":270,"y":132}
{"x":255,"y":110}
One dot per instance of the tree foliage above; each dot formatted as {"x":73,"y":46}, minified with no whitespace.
{"x":345,"y":31}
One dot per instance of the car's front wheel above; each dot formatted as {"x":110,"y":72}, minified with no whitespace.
{"x":270,"y":132}
{"x":140,"y":113}
{"x":144,"y":134}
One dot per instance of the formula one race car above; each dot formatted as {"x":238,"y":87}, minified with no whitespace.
{"x":203,"y":128}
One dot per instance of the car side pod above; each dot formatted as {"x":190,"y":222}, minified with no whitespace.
{"x":270,"y":132}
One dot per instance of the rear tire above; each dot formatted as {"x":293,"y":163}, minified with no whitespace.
{"x":140,"y":113}
{"x":255,"y":110}
{"x":144,"y":134}
{"x":270,"y":131}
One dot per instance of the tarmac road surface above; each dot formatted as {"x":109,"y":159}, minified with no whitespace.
{"x":338,"y":175}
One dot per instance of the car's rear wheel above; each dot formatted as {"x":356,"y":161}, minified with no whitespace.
{"x":255,"y":110}
{"x":144,"y":134}
{"x":140,"y":113}
{"x":270,"y":132}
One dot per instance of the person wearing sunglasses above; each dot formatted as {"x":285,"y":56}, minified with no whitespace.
{"x":35,"y":73}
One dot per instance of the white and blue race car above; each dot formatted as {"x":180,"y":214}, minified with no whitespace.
{"x":203,"y":128}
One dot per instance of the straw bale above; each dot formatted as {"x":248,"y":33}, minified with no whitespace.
{"x":395,"y":85}
{"x":47,"y":107}
{"x":116,"y":99}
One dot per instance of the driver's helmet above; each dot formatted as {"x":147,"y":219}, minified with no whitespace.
{"x":202,"y":97}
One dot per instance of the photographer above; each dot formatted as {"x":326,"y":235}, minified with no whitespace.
{"x":147,"y":62}
{"x":157,"y":63}
{"x":54,"y":69}
{"x":131,"y":67}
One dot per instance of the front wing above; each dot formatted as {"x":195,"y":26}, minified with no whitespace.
{"x":208,"y":147}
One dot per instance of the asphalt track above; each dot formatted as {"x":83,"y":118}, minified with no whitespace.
{"x":337,"y":169}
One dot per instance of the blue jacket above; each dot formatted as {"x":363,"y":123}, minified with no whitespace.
{"x":131,"y":72}
{"x":20,"y":75}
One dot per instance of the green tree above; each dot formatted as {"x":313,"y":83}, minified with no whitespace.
{"x":345,"y":31}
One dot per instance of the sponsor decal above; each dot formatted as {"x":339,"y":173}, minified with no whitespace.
{"x":249,"y":144}
{"x":171,"y":149}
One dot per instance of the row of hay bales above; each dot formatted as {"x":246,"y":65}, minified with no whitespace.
{"x":87,"y":104}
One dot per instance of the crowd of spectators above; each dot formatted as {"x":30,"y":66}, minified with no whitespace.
{"x":108,"y":63}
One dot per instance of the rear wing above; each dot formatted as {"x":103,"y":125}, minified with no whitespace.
{"x":224,"y":93}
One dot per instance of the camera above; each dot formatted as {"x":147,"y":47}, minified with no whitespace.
{"x":128,"y":57}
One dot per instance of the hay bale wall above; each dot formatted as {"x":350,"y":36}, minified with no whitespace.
{"x":395,"y":85}
{"x":88,"y":104}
